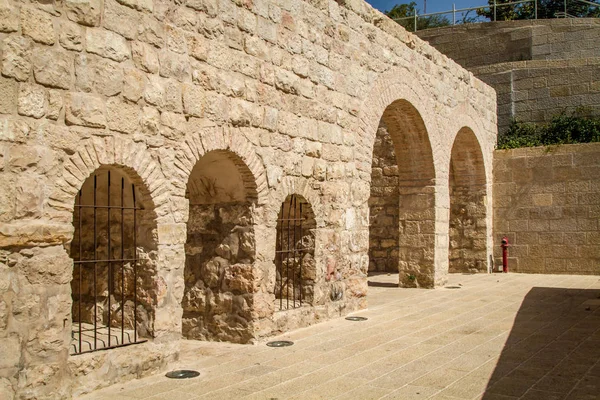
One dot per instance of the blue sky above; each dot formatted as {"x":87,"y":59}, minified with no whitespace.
{"x":432,"y":5}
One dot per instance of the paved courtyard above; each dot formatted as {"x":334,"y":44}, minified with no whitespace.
{"x":492,"y":337}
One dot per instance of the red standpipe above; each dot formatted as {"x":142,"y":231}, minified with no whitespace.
{"x":504,"y":246}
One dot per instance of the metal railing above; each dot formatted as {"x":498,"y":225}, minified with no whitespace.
{"x":494,"y":7}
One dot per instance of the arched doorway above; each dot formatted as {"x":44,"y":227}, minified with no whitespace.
{"x":467,"y":234}
{"x":114,"y":253}
{"x":220,"y":250}
{"x":402,"y":198}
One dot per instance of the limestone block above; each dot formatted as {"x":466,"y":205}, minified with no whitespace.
{"x":198,"y":47}
{"x":37,"y":25}
{"x":134,"y":84}
{"x":142,"y":5}
{"x":8,"y":95}
{"x":107,"y":44}
{"x":120,"y":19}
{"x":70,"y":36}
{"x":150,"y":121}
{"x":84,"y":12}
{"x":85,"y":110}
{"x":151,"y":31}
{"x":155,"y":91}
{"x":9,"y":17}
{"x":32,"y":100}
{"x":9,"y":352}
{"x":193,"y":100}
{"x":175,"y":38}
{"x":121,"y":116}
{"x":173,"y":97}
{"x":52,"y":68}
{"x":173,"y":65}
{"x":55,"y":104}
{"x":16,"y":57}
{"x":98,"y":75}
{"x":145,"y":57}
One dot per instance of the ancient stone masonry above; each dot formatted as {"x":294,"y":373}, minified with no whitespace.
{"x":217,"y":113}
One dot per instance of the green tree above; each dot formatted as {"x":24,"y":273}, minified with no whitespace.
{"x":401,"y":13}
{"x":545,"y":9}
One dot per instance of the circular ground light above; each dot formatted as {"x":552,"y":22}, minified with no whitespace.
{"x":182,"y":374}
{"x":280,"y":343}
{"x":356,"y":318}
{"x":451,"y":287}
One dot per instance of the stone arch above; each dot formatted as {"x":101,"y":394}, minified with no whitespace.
{"x":114,"y":251}
{"x":131,"y":157}
{"x":402,"y":204}
{"x":220,"y":249}
{"x":289,"y":186}
{"x":232,"y":143}
{"x":468,"y":214}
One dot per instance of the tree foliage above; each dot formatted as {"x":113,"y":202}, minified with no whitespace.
{"x":545,"y":9}
{"x":401,"y":11}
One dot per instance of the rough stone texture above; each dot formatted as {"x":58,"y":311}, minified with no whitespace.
{"x":547,"y":202}
{"x":38,"y":25}
{"x":384,"y":206}
{"x":291,"y":92}
{"x":538,"y":68}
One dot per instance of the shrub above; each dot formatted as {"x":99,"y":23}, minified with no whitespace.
{"x":564,"y":128}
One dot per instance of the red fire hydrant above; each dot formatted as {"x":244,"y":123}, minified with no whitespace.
{"x":504,"y":246}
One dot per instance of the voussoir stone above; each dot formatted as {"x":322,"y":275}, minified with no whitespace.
{"x":52,"y":68}
{"x":85,"y":110}
{"x":37,"y":25}
{"x":16,"y":57}
{"x":107,"y":44}
{"x":84,"y":12}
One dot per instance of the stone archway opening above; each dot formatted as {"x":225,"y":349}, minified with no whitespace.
{"x":113,"y":249}
{"x":467,"y":183}
{"x":220,"y":250}
{"x":295,"y":264}
{"x":402,"y":198}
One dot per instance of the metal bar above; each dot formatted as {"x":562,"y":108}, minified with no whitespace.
{"x":105,"y":207}
{"x":415,"y":19}
{"x":295,"y":200}
{"x":280,"y":267}
{"x":297,"y":219}
{"x":108,"y":257}
{"x":460,"y":10}
{"x":122,"y":262}
{"x":453,"y":14}
{"x":494,"y":10}
{"x":135,"y":264}
{"x":95,"y":269}
{"x":301,"y":255}
{"x":589,"y":3}
{"x":287,"y":264}
{"x":113,"y":346}
{"x":80,"y":270}
{"x":105,"y":261}
{"x":535,"y":9}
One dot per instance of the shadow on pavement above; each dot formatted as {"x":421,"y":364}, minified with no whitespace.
{"x":553,"y":351}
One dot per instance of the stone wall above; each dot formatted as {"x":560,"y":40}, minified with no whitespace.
{"x":291,"y":91}
{"x":384,"y":205}
{"x":538,"y":68}
{"x":547,"y":202}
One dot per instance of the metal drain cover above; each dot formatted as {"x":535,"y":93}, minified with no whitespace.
{"x":182,"y":374}
{"x":280,"y":343}
{"x":356,"y":318}
{"x":452,"y":287}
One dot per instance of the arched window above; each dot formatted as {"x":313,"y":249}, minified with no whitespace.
{"x":112,"y":286}
{"x":294,"y":255}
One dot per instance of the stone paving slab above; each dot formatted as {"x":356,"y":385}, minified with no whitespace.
{"x":498,"y":337}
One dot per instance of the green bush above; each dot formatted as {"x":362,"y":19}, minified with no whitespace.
{"x":565,"y":128}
